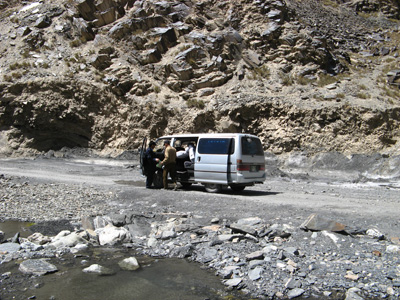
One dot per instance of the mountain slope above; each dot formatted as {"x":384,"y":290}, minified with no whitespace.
{"x":303,"y":75}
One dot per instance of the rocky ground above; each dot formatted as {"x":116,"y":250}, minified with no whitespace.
{"x":330,"y":233}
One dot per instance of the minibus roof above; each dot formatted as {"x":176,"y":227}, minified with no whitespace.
{"x":205,"y":135}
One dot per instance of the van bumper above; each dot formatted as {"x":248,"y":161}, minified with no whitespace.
{"x":247,"y":178}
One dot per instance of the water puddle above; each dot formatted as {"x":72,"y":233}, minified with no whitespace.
{"x":10,"y":228}
{"x":157,"y":279}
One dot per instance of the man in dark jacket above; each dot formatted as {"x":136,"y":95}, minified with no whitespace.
{"x":150,"y":164}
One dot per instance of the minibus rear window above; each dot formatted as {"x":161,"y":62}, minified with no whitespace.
{"x":251,"y":146}
{"x":216,"y":146}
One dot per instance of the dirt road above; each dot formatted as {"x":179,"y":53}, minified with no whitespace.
{"x":362,"y":205}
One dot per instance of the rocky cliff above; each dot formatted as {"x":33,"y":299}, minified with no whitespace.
{"x":102,"y":74}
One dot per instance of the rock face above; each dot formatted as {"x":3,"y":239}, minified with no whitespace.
{"x":105,"y":74}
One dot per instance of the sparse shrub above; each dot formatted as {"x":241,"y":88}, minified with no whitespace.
{"x":25,"y":53}
{"x":75,"y":43}
{"x":23,"y":65}
{"x":303,"y":80}
{"x":392,"y":92}
{"x":16,"y":75}
{"x":363,"y":95}
{"x":286,"y":79}
{"x":7,"y":78}
{"x":262,"y":72}
{"x":195,"y":103}
{"x":340,"y":95}
{"x":157,"y":89}
{"x":325,"y":79}
{"x":330,"y":3}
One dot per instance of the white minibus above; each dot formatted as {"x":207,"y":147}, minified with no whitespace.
{"x":217,"y":160}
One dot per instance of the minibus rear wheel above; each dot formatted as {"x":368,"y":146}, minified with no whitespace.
{"x":212,"y":187}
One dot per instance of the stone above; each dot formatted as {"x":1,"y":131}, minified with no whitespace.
{"x":85,"y":31}
{"x":67,"y":239}
{"x":255,"y":255}
{"x":98,"y":269}
{"x":375,"y":233}
{"x":101,"y":62}
{"x":255,"y":274}
{"x":118,"y":220}
{"x":129,"y":264}
{"x":9,"y":247}
{"x":393,"y":249}
{"x":243,"y":228}
{"x":252,"y":59}
{"x":111,"y":235}
{"x":295,"y":293}
{"x":37,"y":267}
{"x":87,"y":223}
{"x":43,"y":22}
{"x":31,"y":246}
{"x":256,"y":263}
{"x":353,"y":294}
{"x":317,"y":223}
{"x":228,"y":237}
{"x":101,"y":221}
{"x":350,"y":275}
{"x":234,"y":282}
{"x":292,"y":284}
{"x":39,"y":238}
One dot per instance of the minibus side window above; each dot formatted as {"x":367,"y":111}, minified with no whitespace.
{"x":216,"y":146}
{"x":251,"y":146}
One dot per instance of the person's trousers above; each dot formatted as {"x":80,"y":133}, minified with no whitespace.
{"x":171,"y":170}
{"x":150,"y":177}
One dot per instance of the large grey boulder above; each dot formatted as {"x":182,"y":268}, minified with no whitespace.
{"x":111,"y":235}
{"x":37,"y":267}
{"x":129,"y":264}
{"x":9,"y":247}
{"x":67,"y":239}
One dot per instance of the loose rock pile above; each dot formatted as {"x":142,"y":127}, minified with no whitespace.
{"x":264,"y":260}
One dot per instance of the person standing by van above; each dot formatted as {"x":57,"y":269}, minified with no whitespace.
{"x":150,"y":160}
{"x":169,"y":164}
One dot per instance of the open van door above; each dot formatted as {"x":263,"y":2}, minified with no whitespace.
{"x":213,"y":161}
{"x":141,"y":156}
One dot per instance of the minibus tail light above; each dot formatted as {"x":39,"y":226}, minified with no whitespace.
{"x":241,"y":166}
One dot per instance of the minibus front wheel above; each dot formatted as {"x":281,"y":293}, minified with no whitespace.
{"x":212,"y":187}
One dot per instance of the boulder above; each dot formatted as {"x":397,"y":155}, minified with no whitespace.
{"x":84,"y":29}
{"x":101,"y":62}
{"x":9,"y":247}
{"x":67,"y":239}
{"x":111,"y":235}
{"x":129,"y":264}
{"x":98,"y":269}
{"x":37,"y":267}
{"x":39,"y":238}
